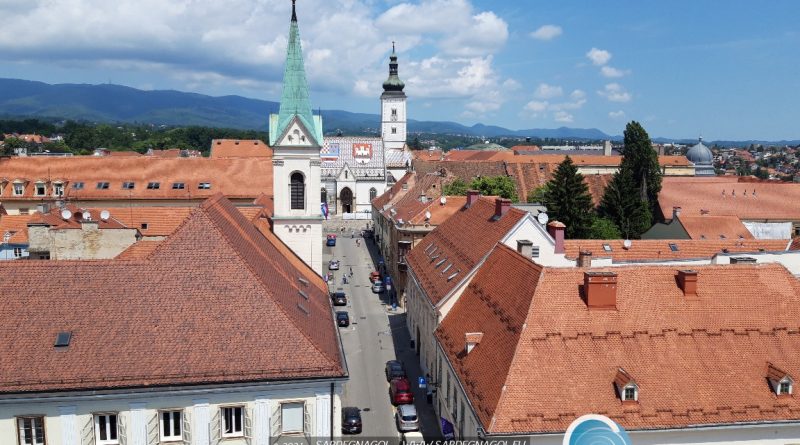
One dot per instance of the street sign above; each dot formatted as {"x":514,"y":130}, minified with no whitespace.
{"x":388,"y":280}
{"x":422,"y":383}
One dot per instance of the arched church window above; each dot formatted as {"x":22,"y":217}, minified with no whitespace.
{"x":297,"y":187}
{"x":372,"y":194}
{"x":323,"y":195}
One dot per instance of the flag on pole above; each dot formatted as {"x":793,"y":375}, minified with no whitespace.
{"x":325,"y":209}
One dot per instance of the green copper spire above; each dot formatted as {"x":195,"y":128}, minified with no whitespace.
{"x":294,"y":100}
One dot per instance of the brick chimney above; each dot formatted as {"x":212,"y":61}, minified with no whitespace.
{"x":600,"y":289}
{"x":501,"y":207}
{"x":471,"y":339}
{"x":687,"y":280}
{"x":584,"y":259}
{"x":472,"y":197}
{"x":676,"y":212}
{"x":556,"y":230}
{"x":525,"y":248}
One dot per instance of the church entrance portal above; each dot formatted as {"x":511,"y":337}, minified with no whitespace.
{"x":346,"y":197}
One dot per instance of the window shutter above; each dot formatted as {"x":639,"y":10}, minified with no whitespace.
{"x":122,"y":430}
{"x":306,"y":419}
{"x":187,"y":427}
{"x":215,"y":428}
{"x":248,"y":425}
{"x":276,"y":422}
{"x":87,"y":433}
{"x":152,"y":430}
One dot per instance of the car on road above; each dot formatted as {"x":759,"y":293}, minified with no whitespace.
{"x":412,"y":438}
{"x":374,"y":276}
{"x":400,"y":392}
{"x":342,"y":319}
{"x":394,"y":370}
{"x":333,"y":265}
{"x":339,"y":298}
{"x":377,"y":287}
{"x":351,"y":420}
{"x":406,"y":418}
{"x":330,"y":240}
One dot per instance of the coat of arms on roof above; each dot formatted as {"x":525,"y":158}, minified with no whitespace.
{"x":362,"y":153}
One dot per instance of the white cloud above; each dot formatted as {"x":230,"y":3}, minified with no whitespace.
{"x":614,"y":92}
{"x":563,"y":117}
{"x":547,"y":32}
{"x":577,"y":101}
{"x":545,"y":91}
{"x":599,"y":57}
{"x":617,"y":115}
{"x":608,"y":71}
{"x":537,"y":106}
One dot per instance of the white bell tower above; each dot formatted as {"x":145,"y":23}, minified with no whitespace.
{"x":393,"y":109}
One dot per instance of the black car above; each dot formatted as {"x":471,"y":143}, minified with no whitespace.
{"x":351,"y":420}
{"x":394,"y":370}
{"x":339,"y":299}
{"x":342,"y":319}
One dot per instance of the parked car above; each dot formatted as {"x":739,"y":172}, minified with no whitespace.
{"x":378,"y":287}
{"x":351,"y":420}
{"x":412,"y":438}
{"x":333,"y":265}
{"x":374,"y":276}
{"x":342,"y":319}
{"x":339,"y":298}
{"x":394,"y":370}
{"x":331,"y":240}
{"x":406,"y":418}
{"x":400,"y":392}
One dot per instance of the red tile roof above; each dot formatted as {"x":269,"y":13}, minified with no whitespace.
{"x":714,"y":227}
{"x":727,"y":196}
{"x":139,"y":250}
{"x":235,"y":314}
{"x":234,"y":148}
{"x":235,"y":178}
{"x":17,"y":226}
{"x":660,"y":250}
{"x":697,"y":361}
{"x":395,"y":191}
{"x":462,"y":241}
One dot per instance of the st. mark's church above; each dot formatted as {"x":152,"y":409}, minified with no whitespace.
{"x":341,"y":175}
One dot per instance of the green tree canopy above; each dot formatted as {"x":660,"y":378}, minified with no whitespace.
{"x":502,"y":186}
{"x":537,"y":194}
{"x":642,"y":161}
{"x":622,"y":205}
{"x":568,"y":200}
{"x":604,"y":228}
{"x":455,"y":188}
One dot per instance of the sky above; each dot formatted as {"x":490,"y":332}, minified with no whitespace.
{"x":683,"y":68}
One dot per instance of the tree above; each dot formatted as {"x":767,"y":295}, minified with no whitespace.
{"x":415,"y":144}
{"x":642,"y":161}
{"x":568,"y":200}
{"x":502,"y":186}
{"x":456,"y":188}
{"x":622,"y":205}
{"x":537,"y":194}
{"x":604,"y":228}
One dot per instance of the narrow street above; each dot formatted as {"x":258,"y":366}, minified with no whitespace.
{"x":376,"y":334}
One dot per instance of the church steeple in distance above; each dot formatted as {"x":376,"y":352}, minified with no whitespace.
{"x":294,"y":99}
{"x":393,"y":85}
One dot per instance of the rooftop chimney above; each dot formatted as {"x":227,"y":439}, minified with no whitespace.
{"x":525,"y":248}
{"x":501,"y":207}
{"x":676,"y":212}
{"x":472,"y":197}
{"x":743,"y":260}
{"x":584,"y":259}
{"x":687,"y":280}
{"x":471,"y":339}
{"x":600,"y":289}
{"x":556,"y":230}
{"x":607,"y":148}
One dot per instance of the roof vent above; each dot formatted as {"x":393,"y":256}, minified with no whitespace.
{"x":63,"y":339}
{"x":687,"y":280}
{"x":743,"y":260}
{"x":471,"y":339}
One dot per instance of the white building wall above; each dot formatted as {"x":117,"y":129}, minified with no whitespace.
{"x":775,"y":230}
{"x":68,"y":419}
{"x":393,"y":141}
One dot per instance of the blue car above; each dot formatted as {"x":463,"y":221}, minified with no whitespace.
{"x":331,"y":240}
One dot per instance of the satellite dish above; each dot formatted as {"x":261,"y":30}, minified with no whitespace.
{"x":104,"y":215}
{"x":87,"y":215}
{"x":627,"y":244}
{"x":427,"y":215}
{"x":66,"y":214}
{"x":443,"y":200}
{"x":543,"y":218}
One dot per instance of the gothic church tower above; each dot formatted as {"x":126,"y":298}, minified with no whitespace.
{"x":295,"y":135}
{"x":393,"y":109}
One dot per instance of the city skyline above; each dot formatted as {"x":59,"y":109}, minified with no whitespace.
{"x":682,"y":69}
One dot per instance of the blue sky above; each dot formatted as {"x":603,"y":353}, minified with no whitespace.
{"x":682,"y":68}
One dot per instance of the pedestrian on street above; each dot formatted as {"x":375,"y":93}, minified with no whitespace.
{"x":351,"y":271}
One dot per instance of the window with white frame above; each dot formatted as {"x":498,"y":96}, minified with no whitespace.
{"x":18,"y":252}
{"x":292,"y":417}
{"x":31,"y":430}
{"x":204,"y":186}
{"x":19,"y":189}
{"x":170,"y":426}
{"x":105,"y":429}
{"x":58,"y":189}
{"x":232,"y":421}
{"x":41,"y":189}
{"x":630,"y":393}
{"x":785,"y":386}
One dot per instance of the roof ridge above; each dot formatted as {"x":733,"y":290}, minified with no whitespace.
{"x":618,"y":335}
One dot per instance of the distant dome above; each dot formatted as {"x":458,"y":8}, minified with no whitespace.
{"x":487,"y":147}
{"x":700,"y":154}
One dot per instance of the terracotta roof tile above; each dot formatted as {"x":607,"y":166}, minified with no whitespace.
{"x":235,"y":314}
{"x":139,"y":250}
{"x":661,"y":250}
{"x":461,"y":241}
{"x":16,"y":226}
{"x":696,"y":361}
{"x":395,"y":191}
{"x":235,"y":148}
{"x":714,"y":227}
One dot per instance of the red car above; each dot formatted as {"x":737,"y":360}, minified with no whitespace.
{"x":400,"y":392}
{"x":374,"y":276}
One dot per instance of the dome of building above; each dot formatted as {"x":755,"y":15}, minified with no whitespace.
{"x":700,"y":154}
{"x":488,"y":146}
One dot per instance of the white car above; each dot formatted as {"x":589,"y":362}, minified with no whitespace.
{"x":378,"y":287}
{"x":333,"y":265}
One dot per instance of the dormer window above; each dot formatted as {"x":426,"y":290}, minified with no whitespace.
{"x":102,"y":186}
{"x":19,"y":189}
{"x":41,"y":189}
{"x":785,"y":387}
{"x":77,"y":185}
{"x":178,"y":186}
{"x":128,"y":185}
{"x":631,"y":393}
{"x":153,"y":185}
{"x":627,"y":389}
{"x":58,"y":189}
{"x":782,"y":384}
{"x":204,"y":186}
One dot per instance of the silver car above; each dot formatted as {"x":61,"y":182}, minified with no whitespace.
{"x":406,"y":418}
{"x":378,"y":287}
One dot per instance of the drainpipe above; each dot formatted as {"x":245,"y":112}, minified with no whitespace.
{"x":332,"y":416}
